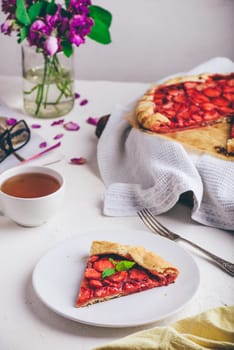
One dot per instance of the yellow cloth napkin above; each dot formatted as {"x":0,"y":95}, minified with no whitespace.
{"x":213,"y":329}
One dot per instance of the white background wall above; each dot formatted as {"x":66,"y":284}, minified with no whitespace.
{"x":150,"y":39}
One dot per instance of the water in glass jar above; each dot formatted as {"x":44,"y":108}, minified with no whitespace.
{"x":54,"y":98}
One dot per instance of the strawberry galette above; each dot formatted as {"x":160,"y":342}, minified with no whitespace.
{"x":115,"y":270}
{"x":188,"y":102}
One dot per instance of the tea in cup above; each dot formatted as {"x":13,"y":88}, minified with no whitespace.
{"x":30,"y":195}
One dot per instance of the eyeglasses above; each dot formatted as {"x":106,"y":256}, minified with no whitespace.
{"x":13,"y":139}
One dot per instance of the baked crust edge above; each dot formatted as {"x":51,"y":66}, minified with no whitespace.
{"x":143,"y":257}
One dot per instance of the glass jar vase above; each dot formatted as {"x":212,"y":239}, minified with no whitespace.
{"x":48,"y":83}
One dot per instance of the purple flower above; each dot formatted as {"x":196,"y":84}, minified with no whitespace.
{"x":38,"y":25}
{"x":11,"y":121}
{"x":52,"y":26}
{"x":37,"y":32}
{"x":63,"y":26}
{"x":6,"y":27}
{"x":9,"y":6}
{"x":43,"y":144}
{"x":79,"y":6}
{"x":53,"y":20}
{"x":57,"y":122}
{"x":84,"y":102}
{"x":51,"y":45}
{"x":71,"y":126}
{"x":76,"y":38}
{"x":58,"y":136}
{"x":78,"y":161}
{"x":78,"y":21}
{"x":36,"y":126}
{"x":80,"y":26}
{"x":92,"y":121}
{"x":76,"y":95}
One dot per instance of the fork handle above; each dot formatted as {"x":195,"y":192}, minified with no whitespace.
{"x":224,"y":264}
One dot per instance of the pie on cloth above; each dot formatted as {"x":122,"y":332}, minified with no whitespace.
{"x":142,"y":169}
{"x":212,"y":329}
{"x":191,"y":103}
{"x":115,"y":270}
{"x":187,"y":102}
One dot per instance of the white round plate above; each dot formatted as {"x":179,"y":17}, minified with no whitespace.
{"x":57,"y":277}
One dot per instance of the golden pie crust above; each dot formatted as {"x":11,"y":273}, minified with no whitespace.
{"x":145,"y":108}
{"x":145,"y":258}
{"x":213,"y":139}
{"x":149,"y":271}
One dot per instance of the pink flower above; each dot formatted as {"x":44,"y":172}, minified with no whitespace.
{"x":71,"y":126}
{"x":57,"y":122}
{"x":58,"y":136}
{"x":78,"y":161}
{"x":83,"y":102}
{"x":43,"y":144}
{"x":7,"y":26}
{"x":51,"y":45}
{"x":92,"y":121}
{"x":36,"y":126}
{"x":11,"y":121}
{"x":76,"y":95}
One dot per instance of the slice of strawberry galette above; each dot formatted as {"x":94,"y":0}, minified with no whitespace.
{"x":187,"y":102}
{"x":115,"y":270}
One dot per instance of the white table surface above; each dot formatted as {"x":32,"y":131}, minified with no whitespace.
{"x":25,"y":322}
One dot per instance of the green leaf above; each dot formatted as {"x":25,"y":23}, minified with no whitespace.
{"x":101,"y":14}
{"x":108,"y":272}
{"x":22,"y":34}
{"x":124,"y":265}
{"x":113,"y":261}
{"x":51,"y":8}
{"x":67,"y":48}
{"x":35,"y":10}
{"x":100,"y":33}
{"x":21,"y":13}
{"x":67,"y":2}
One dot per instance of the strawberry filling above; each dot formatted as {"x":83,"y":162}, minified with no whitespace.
{"x":191,"y":104}
{"x":95,"y":287}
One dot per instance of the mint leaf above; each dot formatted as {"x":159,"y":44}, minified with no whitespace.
{"x":67,"y":48}
{"x":100,"y":32}
{"x":21,"y":13}
{"x":124,"y":265}
{"x":113,"y":261}
{"x":108,"y":272}
{"x":35,"y":10}
{"x":100,"y":14}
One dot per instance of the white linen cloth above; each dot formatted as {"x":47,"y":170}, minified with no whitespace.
{"x":140,"y":170}
{"x":31,"y":148}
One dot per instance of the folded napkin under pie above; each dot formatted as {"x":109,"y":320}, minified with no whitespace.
{"x":144,"y":171}
{"x":213,"y":329}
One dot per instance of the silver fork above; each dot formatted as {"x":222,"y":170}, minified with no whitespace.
{"x":154,"y":225}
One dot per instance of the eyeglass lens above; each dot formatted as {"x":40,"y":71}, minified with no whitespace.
{"x":13,"y":139}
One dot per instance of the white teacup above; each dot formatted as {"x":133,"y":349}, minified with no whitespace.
{"x":30,"y":211}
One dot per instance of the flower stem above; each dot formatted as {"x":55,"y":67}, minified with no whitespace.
{"x":48,"y":83}
{"x":52,"y":75}
{"x":41,"y":86}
